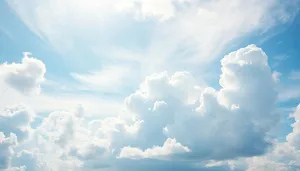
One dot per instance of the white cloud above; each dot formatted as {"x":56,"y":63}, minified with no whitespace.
{"x":16,"y":119}
{"x":25,"y":77}
{"x":287,"y":93}
{"x":20,"y":83}
{"x":47,"y":102}
{"x":294,"y":75}
{"x":173,"y":120}
{"x":202,"y":29}
{"x":263,"y":164}
{"x":163,"y":9}
{"x":284,"y":155}
{"x":23,"y":168}
{"x":170,"y":146}
{"x":79,"y":111}
{"x":108,"y":79}
{"x":194,"y":123}
{"x":6,"y":148}
{"x":241,"y":110}
{"x":224,"y":119}
{"x":32,"y":161}
{"x":276,"y":76}
{"x":94,"y":154}
{"x":60,"y":127}
{"x":294,"y":137}
{"x":187,"y":32}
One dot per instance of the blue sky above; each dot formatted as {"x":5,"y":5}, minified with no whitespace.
{"x":160,"y":82}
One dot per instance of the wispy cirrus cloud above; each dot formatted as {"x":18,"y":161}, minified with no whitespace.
{"x":152,"y":36}
{"x":112,"y":79}
{"x":294,"y":75}
{"x":167,"y":29}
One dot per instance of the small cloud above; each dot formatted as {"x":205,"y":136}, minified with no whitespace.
{"x":281,"y":57}
{"x":276,"y":76}
{"x":289,"y":93}
{"x":108,"y":79}
{"x":171,"y":146}
{"x":294,"y":75}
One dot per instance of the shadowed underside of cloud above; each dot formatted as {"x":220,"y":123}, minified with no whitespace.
{"x":175,"y":124}
{"x":283,"y":156}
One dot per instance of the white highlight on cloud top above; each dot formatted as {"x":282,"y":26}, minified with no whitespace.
{"x":169,"y":147}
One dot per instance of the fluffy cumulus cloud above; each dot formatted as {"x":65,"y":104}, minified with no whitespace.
{"x":26,"y":76}
{"x":294,"y":137}
{"x":16,"y":119}
{"x":168,"y":148}
{"x":222,"y":124}
{"x":6,"y":148}
{"x":32,"y":161}
{"x":174,"y":121}
{"x":14,"y":129}
{"x":59,"y":127}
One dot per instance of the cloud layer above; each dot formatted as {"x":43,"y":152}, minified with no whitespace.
{"x":172,"y":120}
{"x":148,"y":33}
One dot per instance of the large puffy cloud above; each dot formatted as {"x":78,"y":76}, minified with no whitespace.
{"x":64,"y":141}
{"x":26,"y":76}
{"x":60,"y":126}
{"x":228,"y":123}
{"x":91,"y":155}
{"x":14,"y":129}
{"x":48,"y":147}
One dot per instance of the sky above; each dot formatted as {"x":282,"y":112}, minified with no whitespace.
{"x":131,"y":85}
